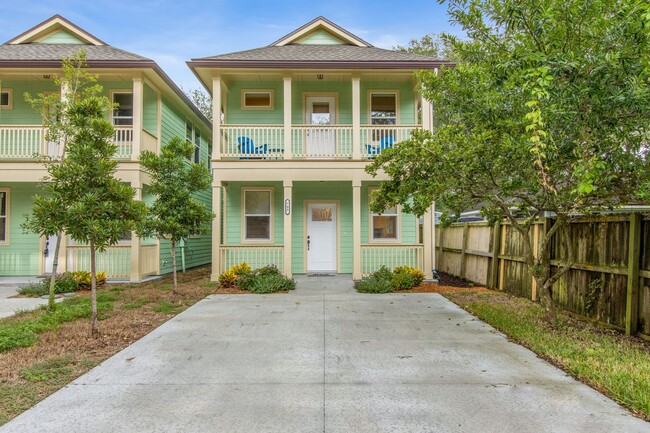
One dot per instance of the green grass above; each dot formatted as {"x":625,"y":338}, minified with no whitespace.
{"x":617,"y":365}
{"x":138,"y":303}
{"x":23,"y":330}
{"x":168,"y":307}
{"x":48,"y":370}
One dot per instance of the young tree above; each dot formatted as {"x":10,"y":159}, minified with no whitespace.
{"x":175,"y":214}
{"x":546,"y":112}
{"x":49,"y":210}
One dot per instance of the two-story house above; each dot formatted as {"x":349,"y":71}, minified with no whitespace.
{"x":152,"y":110}
{"x":295,"y":123}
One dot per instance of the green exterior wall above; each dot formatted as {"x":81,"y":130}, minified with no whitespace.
{"x":407,"y":115}
{"x":233,"y":211}
{"x":150,"y":110}
{"x":344,"y":97}
{"x":235,"y":115}
{"x":21,"y":112}
{"x":21,"y":256}
{"x":62,"y":37}
{"x":197,"y":249}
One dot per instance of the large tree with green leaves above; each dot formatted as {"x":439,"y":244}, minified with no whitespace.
{"x":48,"y":215}
{"x":546,"y":112}
{"x":175,"y":214}
{"x":434,"y":45}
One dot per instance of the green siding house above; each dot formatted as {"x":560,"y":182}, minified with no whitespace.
{"x":152,"y":110}
{"x":295,"y":123}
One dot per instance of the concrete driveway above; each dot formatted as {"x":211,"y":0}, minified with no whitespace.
{"x":326,"y":359}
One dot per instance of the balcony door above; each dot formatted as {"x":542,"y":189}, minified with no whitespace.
{"x":320,"y":113}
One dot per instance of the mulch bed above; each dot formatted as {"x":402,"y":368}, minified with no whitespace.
{"x":447,"y":284}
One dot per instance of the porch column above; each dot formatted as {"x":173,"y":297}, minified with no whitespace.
{"x":138,"y":97}
{"x":216,"y":229}
{"x":135,"y":244}
{"x":356,"y":117}
{"x":288,"y":151}
{"x":216,"y":117}
{"x":356,"y":229}
{"x":427,"y":234}
{"x":288,"y":211}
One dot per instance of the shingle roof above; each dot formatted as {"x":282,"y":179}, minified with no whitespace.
{"x":320,"y":53}
{"x":54,"y":52}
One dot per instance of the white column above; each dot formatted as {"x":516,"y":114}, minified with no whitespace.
{"x":216,"y":117}
{"x":427,"y":234}
{"x":356,"y":229}
{"x":426,"y":115}
{"x":288,"y":151}
{"x":216,"y":229}
{"x":356,"y":118}
{"x":288,"y":206}
{"x":137,"y":117}
{"x":135,"y":244}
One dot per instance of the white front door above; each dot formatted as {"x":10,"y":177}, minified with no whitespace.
{"x":48,"y":254}
{"x":321,"y":111}
{"x":321,"y":237}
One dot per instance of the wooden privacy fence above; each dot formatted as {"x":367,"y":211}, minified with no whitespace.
{"x":609,"y":281}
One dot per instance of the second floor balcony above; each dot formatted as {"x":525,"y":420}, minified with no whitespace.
{"x":29,"y":142}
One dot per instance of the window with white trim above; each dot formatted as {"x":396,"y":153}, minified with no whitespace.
{"x":257,"y":99}
{"x":193,"y":135}
{"x":4,"y":216}
{"x":6,"y":99}
{"x":383,"y":108}
{"x":257,"y":214}
{"x":123,"y":113}
{"x":384,"y":226}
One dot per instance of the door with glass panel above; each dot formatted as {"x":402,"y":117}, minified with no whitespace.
{"x":321,"y":237}
{"x":320,"y":113}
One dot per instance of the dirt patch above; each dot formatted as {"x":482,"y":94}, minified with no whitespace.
{"x":439,"y":288}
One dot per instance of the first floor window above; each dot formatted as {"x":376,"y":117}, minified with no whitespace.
{"x":385,"y":225}
{"x":4,"y":208}
{"x":257,"y":214}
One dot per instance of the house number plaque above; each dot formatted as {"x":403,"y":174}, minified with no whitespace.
{"x":287,"y":207}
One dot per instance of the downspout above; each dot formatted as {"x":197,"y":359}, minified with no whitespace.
{"x":182,"y":246}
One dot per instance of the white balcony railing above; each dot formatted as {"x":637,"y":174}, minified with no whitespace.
{"x":115,"y":260}
{"x":255,"y":256}
{"x":28,"y":142}
{"x":374,"y":257}
{"x":266,"y":142}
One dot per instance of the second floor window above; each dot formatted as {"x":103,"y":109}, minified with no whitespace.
{"x":193,"y":135}
{"x":6,"y":99}
{"x":383,"y":108}
{"x":123,"y":114}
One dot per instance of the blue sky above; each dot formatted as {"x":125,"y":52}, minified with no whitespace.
{"x":171,"y":32}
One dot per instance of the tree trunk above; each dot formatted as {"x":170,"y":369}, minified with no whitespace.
{"x":174,"y":266}
{"x":93,"y":290}
{"x":546,"y":289}
{"x":51,"y":305}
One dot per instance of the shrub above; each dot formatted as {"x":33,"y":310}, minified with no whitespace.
{"x":65,"y":283}
{"x":383,"y":273}
{"x":416,"y":274}
{"x":269,"y":283}
{"x":402,"y":281}
{"x":373,"y":284}
{"x":230,"y":278}
{"x":83,"y":279}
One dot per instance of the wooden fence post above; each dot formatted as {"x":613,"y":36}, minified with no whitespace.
{"x":633,"y":264}
{"x":440,"y":234}
{"x":463,"y":255}
{"x":496,"y":248}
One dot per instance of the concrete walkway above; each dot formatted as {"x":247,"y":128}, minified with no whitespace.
{"x":8,"y":288}
{"x":326,"y":359}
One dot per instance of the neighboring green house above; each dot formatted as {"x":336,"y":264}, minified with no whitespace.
{"x":152,"y":109}
{"x":295,"y":123}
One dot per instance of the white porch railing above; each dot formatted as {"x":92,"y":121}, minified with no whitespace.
{"x":149,"y":259}
{"x":252,"y":142}
{"x":21,"y":142}
{"x":374,"y":257}
{"x":375,"y":138}
{"x":255,"y":256}
{"x":28,"y":142}
{"x":321,"y":142}
{"x":115,"y":260}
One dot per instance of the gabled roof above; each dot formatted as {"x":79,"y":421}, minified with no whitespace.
{"x":319,"y":44}
{"x":30,"y":49}
{"x":50,"y":26}
{"x":321,"y":24}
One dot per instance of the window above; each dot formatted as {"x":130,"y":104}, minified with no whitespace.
{"x":4,"y":216}
{"x":6,"y":99}
{"x":257,"y":214}
{"x":385,"y":226}
{"x":383,"y":108}
{"x":193,"y":135}
{"x":123,"y":114}
{"x":257,"y":99}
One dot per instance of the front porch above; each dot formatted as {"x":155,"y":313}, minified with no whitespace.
{"x":307,"y":227}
